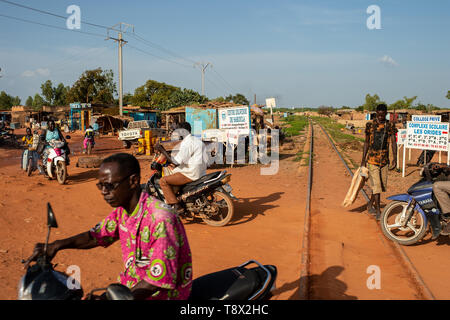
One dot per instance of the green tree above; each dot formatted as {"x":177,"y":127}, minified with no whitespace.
{"x":5,"y":101}
{"x":153,"y":94}
{"x":372,"y":102}
{"x":16,"y":101}
{"x":448,"y":94}
{"x":60,"y":95}
{"x":93,"y":86}
{"x":238,"y":99}
{"x":29,"y":102}
{"x":47,"y":92}
{"x":38,"y":102}
{"x":184,"y":97}
{"x":325,"y":110}
{"x":405,"y":103}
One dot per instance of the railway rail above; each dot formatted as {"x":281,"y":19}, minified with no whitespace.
{"x":419,"y":284}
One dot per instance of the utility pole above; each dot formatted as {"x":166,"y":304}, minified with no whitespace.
{"x":122,"y":28}
{"x":203,"y":67}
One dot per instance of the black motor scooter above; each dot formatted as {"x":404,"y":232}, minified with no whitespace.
{"x":42,"y":282}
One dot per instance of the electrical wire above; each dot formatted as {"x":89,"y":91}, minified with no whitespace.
{"x":158,"y":57}
{"x":50,"y":13}
{"x":51,"y":26}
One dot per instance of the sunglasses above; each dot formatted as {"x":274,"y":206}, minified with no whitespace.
{"x":110,"y":186}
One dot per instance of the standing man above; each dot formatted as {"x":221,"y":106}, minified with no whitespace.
{"x":379,"y":134}
{"x":155,"y":250}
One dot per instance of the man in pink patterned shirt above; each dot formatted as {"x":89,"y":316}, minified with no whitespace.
{"x":155,"y":248}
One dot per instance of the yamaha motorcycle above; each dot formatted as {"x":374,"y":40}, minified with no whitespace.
{"x":42,"y":282}
{"x":405,"y":219}
{"x":208,"y":197}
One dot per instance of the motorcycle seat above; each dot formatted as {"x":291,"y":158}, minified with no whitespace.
{"x":209,"y":178}
{"x":236,"y":283}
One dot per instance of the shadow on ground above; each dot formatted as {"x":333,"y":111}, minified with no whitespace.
{"x":84,"y":176}
{"x":247,"y":209}
{"x":324,"y":286}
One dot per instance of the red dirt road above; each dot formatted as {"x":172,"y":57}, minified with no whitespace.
{"x":266,"y":225}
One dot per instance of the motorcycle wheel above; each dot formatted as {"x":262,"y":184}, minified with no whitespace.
{"x":89,"y":148}
{"x":391,"y":227}
{"x":224,"y":211}
{"x":61,"y":172}
{"x":29,"y":167}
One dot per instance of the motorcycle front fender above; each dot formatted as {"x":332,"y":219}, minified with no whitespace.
{"x":58,"y":158}
{"x":408,"y":198}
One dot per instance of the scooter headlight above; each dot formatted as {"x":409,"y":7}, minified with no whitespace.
{"x":24,"y":293}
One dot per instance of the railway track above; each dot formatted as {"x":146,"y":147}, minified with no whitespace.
{"x":323,"y":245}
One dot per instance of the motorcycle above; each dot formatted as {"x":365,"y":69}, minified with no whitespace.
{"x":30,"y":156}
{"x":405,"y":219}
{"x":89,"y":145}
{"x":9,"y":138}
{"x":42,"y":282}
{"x":56,"y":160}
{"x":208,"y":197}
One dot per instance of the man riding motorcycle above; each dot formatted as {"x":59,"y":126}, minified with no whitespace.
{"x":441,"y":190}
{"x":53,"y":133}
{"x":155,"y":249}
{"x":88,"y":136}
{"x":188,"y":165}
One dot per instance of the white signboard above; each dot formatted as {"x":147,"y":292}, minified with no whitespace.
{"x":401,"y":136}
{"x":426,"y":118}
{"x":270,"y":103}
{"x":427,"y":136}
{"x":237,"y":118}
{"x":236,"y":122}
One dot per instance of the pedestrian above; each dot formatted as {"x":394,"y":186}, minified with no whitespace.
{"x":155,"y":249}
{"x":379,"y":134}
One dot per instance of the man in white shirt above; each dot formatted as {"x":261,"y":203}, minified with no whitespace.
{"x":189,"y":164}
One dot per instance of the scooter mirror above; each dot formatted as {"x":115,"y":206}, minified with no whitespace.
{"x":51,"y":220}
{"x":116,"y":291}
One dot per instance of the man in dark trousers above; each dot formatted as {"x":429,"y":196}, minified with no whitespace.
{"x":379,"y":134}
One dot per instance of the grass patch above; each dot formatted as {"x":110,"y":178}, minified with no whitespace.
{"x":296,"y":124}
{"x":334,"y":129}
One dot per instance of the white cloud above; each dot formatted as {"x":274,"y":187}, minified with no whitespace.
{"x":38,"y":72}
{"x":388,"y":61}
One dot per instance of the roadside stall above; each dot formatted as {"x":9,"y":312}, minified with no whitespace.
{"x":80,"y":116}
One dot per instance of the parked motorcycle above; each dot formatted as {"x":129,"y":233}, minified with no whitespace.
{"x":9,"y":138}
{"x":56,"y":160}
{"x":208,"y":197}
{"x":42,"y":282}
{"x":405,"y":219}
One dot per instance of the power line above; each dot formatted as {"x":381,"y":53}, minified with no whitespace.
{"x":224,"y":81}
{"x":49,"y":13}
{"x":161,"y":48}
{"x":50,"y":26}
{"x":158,"y":57}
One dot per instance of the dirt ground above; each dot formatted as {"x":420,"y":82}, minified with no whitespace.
{"x":267,"y":225}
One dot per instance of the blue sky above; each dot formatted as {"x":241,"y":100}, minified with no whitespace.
{"x":303,"y":53}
